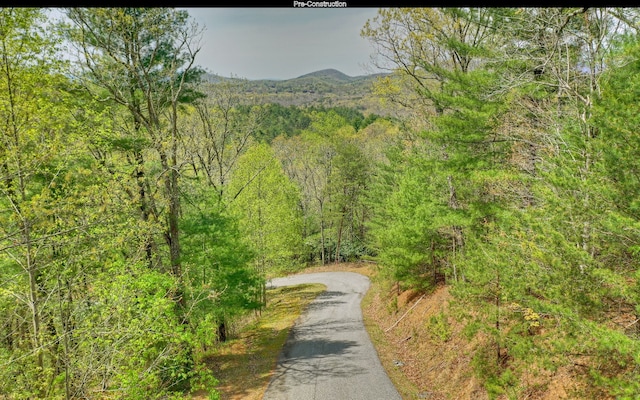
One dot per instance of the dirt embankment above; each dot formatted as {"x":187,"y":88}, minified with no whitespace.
{"x":418,"y":341}
{"x":429,"y":354}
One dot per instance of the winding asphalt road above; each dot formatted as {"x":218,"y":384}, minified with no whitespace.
{"x":328,"y":355}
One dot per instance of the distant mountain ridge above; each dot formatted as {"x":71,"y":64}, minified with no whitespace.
{"x":326,"y":87}
{"x":338,"y":76}
{"x":329,"y":74}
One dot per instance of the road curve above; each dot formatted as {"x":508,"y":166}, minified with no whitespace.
{"x":328,"y":355}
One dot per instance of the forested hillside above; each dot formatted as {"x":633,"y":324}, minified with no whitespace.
{"x":325,"y":88}
{"x":519,"y":187}
{"x":142,"y":207}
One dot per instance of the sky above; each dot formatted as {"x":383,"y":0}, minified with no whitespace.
{"x":283,"y":43}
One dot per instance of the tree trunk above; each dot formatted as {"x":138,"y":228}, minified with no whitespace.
{"x":222,"y":332}
{"x":458,"y":233}
{"x":339,"y":239}
{"x":32,"y":270}
{"x":172,"y":234}
{"x":144,"y":206}
{"x":322,"y":238}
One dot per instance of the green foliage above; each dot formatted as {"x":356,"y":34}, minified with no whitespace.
{"x":618,"y":125}
{"x":522,"y":185}
{"x":351,"y":116}
{"x":279,"y":120}
{"x":329,"y":124}
{"x":348,"y":183}
{"x":266,"y":203}
{"x":139,"y":333}
{"x":88,"y":305}
{"x":137,"y":215}
{"x":471,"y":329}
{"x":43,"y":178}
{"x":222,"y":282}
{"x":438,"y":327}
{"x":407,"y":224}
{"x":333,"y":165}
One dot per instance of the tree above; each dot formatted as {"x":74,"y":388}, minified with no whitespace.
{"x":220,"y":133}
{"x":279,"y":120}
{"x":617,"y":126}
{"x":58,"y":209}
{"x":139,"y":65}
{"x":348,"y":184}
{"x":33,"y":136}
{"x":443,"y":58}
{"x":506,"y":98}
{"x":267,"y":205}
{"x":143,"y":60}
{"x":221,"y":277}
{"x":308,"y":161}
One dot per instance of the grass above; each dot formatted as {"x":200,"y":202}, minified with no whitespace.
{"x":244,"y":364}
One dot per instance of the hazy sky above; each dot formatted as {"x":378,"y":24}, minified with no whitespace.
{"x":283,"y":43}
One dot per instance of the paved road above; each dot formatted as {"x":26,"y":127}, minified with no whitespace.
{"x":328,"y":355}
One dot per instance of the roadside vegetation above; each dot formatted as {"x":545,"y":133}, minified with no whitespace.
{"x":244,"y":364}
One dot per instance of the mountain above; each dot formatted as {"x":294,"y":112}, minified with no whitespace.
{"x":331,"y":75}
{"x":328,"y":75}
{"x":327,"y":87}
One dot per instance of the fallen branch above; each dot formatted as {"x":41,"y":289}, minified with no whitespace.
{"x":437,"y":366}
{"x":405,"y":339}
{"x":404,"y":315}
